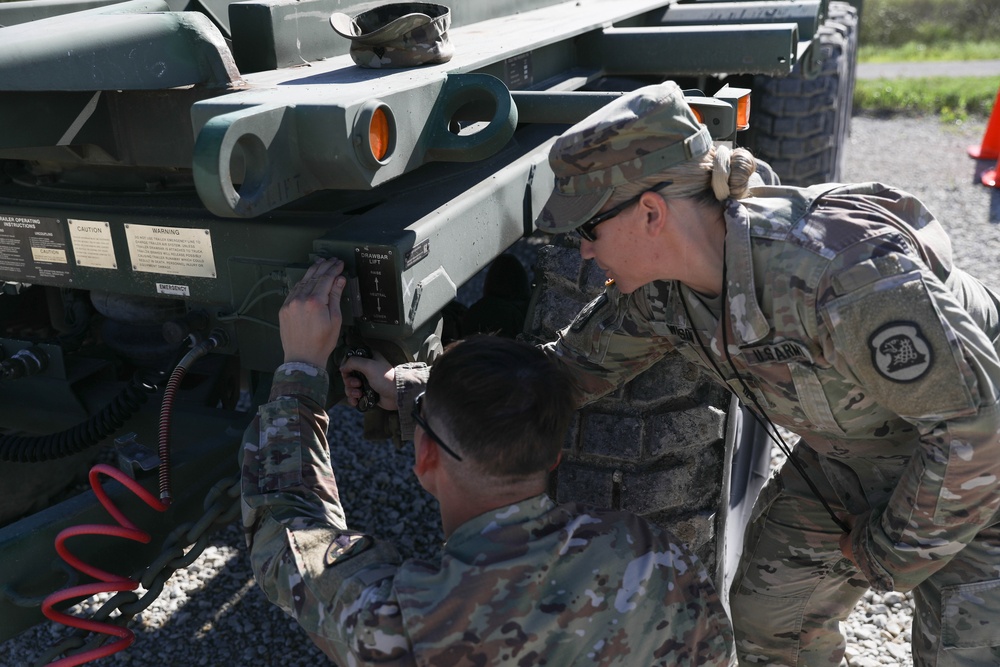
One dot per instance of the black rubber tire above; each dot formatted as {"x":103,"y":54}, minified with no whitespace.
{"x":654,"y":447}
{"x":799,"y":124}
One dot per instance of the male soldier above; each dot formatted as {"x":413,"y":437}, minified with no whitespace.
{"x":520,"y":579}
{"x":833,"y":311}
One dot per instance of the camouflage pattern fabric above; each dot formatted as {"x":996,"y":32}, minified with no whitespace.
{"x":529,"y":583}
{"x":411,"y":380}
{"x":398,"y":426}
{"x":403,"y":34}
{"x":635,"y":136}
{"x":850,"y":327}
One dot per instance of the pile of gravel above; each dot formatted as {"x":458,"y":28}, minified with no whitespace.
{"x":213,"y":613}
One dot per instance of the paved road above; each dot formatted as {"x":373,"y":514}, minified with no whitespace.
{"x":983,"y":68}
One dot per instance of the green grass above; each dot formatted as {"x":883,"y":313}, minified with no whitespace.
{"x":893,"y":23}
{"x":917,"y":52}
{"x":954,"y":99}
{"x":922,"y":31}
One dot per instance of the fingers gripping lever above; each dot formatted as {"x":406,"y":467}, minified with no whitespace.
{"x":369,"y":397}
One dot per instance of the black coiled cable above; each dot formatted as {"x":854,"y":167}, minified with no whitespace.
{"x":33,"y":449}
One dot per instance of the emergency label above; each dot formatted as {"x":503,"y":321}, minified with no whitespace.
{"x":92,"y":245}
{"x":33,"y":249}
{"x":173,"y":290}
{"x":175,"y":251}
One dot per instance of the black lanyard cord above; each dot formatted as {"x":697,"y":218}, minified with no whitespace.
{"x":759,"y":414}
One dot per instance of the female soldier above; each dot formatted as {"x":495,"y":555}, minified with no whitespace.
{"x":832,"y":311}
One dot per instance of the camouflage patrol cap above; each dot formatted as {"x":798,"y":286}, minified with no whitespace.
{"x":637,"y":135}
{"x":402,"y":34}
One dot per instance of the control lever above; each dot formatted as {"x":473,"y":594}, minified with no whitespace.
{"x":369,"y":397}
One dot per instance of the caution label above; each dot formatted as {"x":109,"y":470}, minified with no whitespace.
{"x":92,"y":245}
{"x":177,"y":251}
{"x":33,"y":249}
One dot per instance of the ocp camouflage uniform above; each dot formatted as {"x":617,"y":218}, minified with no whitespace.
{"x":530,"y":583}
{"x":850,"y":327}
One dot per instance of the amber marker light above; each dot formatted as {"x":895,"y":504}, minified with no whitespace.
{"x":743,"y":113}
{"x":378,"y":134}
{"x":374,"y":134}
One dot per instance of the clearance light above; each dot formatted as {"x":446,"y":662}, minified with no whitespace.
{"x":378,"y":134}
{"x":374,"y":134}
{"x":743,"y":113}
{"x":697,"y":114}
{"x":739,"y":98}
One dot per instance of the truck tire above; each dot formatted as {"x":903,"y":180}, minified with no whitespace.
{"x":799,"y":123}
{"x":655,"y":447}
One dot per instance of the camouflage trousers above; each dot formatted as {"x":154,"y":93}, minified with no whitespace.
{"x":793,"y":588}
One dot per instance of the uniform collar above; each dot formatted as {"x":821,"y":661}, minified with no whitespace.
{"x":748,"y":321}
{"x":520,"y":512}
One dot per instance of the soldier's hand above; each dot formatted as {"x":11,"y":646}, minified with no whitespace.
{"x":381,"y":377}
{"x":310,"y":318}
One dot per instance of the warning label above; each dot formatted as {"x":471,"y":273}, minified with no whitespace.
{"x":33,"y":249}
{"x":171,"y":250}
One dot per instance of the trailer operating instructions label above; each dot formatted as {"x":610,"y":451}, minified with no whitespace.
{"x":33,"y":249}
{"x":177,"y":251}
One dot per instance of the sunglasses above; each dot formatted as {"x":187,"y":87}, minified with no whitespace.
{"x":586,"y":230}
{"x":418,"y":408}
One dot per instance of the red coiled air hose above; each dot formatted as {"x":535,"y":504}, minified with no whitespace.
{"x":108,"y":582}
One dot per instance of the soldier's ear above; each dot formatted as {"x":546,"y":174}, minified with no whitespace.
{"x":654,"y":210}
{"x":426,"y":453}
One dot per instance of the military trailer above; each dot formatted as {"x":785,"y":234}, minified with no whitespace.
{"x":168,"y":168}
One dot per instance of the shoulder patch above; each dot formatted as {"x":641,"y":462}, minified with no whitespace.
{"x":346,"y":545}
{"x":900,"y":352}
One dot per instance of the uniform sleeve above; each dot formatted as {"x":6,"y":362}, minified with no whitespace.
{"x":606,"y":345}
{"x":337,"y":583}
{"x":917,"y":352}
{"x":685,"y":623}
{"x":701,"y":632}
{"x":411,"y":379}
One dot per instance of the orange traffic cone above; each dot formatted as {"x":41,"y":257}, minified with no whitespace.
{"x":990,"y":148}
{"x":990,"y":177}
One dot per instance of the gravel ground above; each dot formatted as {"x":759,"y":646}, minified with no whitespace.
{"x":212,"y":612}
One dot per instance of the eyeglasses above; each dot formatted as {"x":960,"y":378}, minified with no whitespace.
{"x":418,"y":405}
{"x":586,"y":230}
